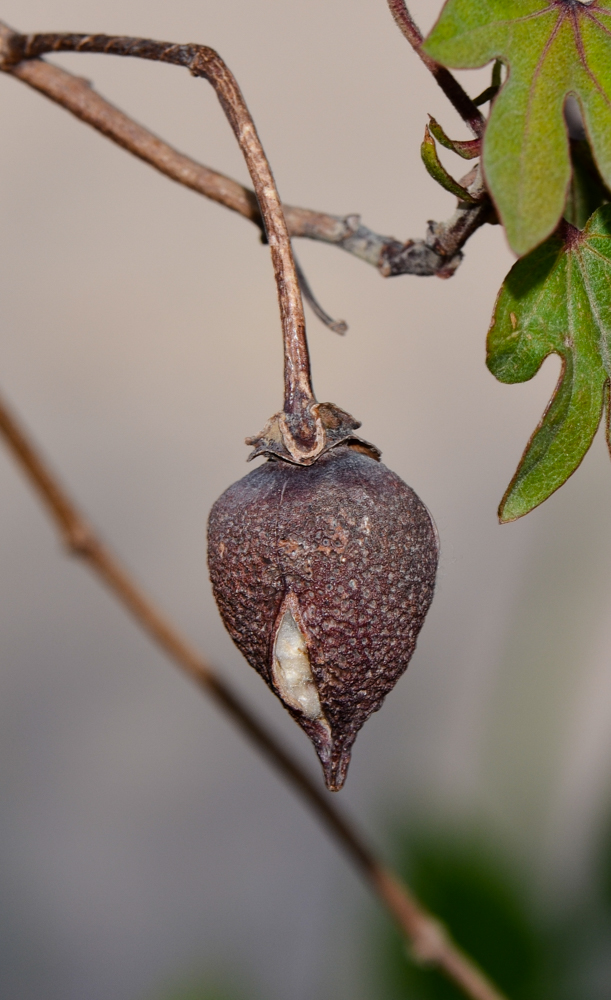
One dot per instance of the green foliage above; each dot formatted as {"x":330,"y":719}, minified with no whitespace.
{"x":438,"y":172}
{"x":490,"y":92}
{"x":603,"y":880}
{"x":204,"y":987}
{"x":468,"y":149}
{"x":557,"y":301}
{"x":551,"y":49}
{"x":487,"y":911}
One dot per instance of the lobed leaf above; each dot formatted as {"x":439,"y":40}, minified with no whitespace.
{"x":552,"y":48}
{"x":557,"y":300}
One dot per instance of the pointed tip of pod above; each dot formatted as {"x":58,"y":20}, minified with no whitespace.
{"x":333,"y":751}
{"x":335,"y":770}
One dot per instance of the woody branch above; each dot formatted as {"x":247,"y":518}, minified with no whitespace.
{"x":438,"y":254}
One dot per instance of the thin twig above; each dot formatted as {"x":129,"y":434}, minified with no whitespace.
{"x":435,"y":255}
{"x":458,"y":97}
{"x":429,"y":940}
{"x":337,"y":325}
{"x":205,"y":62}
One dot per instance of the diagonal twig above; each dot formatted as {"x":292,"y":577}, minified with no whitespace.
{"x":337,"y":325}
{"x":429,"y":940}
{"x":439,"y":253}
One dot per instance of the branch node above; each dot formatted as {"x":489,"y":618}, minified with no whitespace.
{"x":352,"y":223}
{"x":11,"y":47}
{"x":430,"y":942}
{"x":79,"y":540}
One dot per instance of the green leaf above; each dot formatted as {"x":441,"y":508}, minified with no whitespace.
{"x":551,"y":48}
{"x":556,"y":301}
{"x":438,"y":172}
{"x":490,"y":92}
{"x":468,"y":149}
{"x":196,"y":988}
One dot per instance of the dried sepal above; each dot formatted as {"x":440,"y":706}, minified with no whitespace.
{"x":330,"y":424}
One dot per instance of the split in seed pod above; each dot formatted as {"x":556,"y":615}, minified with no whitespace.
{"x":322,"y":560}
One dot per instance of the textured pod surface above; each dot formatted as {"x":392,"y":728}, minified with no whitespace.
{"x":323,"y":576}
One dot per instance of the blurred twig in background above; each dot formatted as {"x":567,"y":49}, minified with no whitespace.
{"x":429,"y":941}
{"x":492,"y":908}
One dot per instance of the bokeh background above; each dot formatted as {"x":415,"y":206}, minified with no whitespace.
{"x":142,"y":841}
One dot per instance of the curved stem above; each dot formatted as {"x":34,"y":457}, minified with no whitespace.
{"x":448,"y":83}
{"x":204,"y":62}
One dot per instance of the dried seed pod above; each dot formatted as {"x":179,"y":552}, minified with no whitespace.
{"x":323,"y":575}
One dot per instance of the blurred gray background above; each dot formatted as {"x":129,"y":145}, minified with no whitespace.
{"x":139,"y":835}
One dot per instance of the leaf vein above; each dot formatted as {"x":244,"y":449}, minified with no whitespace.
{"x":582,"y":56}
{"x":603,"y":27}
{"x":532,"y":89}
{"x":528,"y":315}
{"x":603,"y":344}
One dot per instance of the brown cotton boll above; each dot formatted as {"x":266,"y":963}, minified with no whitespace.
{"x":323,"y":576}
